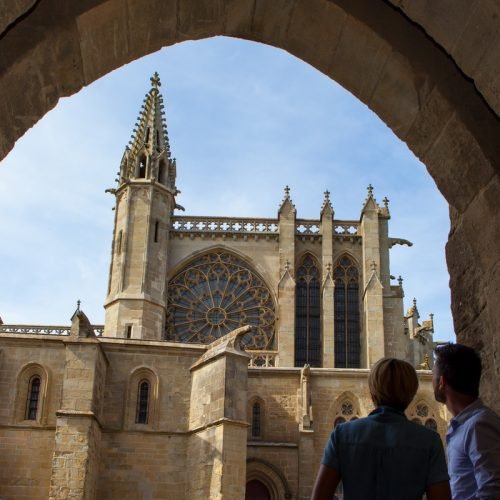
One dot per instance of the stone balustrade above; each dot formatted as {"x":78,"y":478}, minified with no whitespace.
{"x":262,"y":359}
{"x":242,"y":225}
{"x":45,"y":330}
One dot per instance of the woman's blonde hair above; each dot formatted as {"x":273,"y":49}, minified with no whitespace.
{"x":393,"y":382}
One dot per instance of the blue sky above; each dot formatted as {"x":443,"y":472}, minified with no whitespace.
{"x":244,"y":120}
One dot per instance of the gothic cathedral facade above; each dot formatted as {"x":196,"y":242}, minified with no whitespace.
{"x":231,"y":348}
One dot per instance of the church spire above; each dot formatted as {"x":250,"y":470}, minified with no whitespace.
{"x":148,"y":154}
{"x":150,"y":130}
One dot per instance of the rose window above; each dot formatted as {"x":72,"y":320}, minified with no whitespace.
{"x":216,"y":294}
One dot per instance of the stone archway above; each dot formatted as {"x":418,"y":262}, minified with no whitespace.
{"x":428,"y":71}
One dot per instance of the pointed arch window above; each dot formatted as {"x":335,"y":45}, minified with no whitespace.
{"x":307,"y":314}
{"x":161,"y":172}
{"x":33,"y":398}
{"x":142,"y":403}
{"x":256,"y":420}
{"x":142,"y":168}
{"x":346,"y":307}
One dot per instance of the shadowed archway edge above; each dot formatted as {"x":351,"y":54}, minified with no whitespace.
{"x":376,"y":49}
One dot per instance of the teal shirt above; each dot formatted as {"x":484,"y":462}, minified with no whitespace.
{"x":385,"y":457}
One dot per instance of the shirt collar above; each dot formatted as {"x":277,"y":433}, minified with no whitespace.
{"x":466,"y":412}
{"x":384,"y":410}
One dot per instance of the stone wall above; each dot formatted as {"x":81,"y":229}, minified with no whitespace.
{"x":25,"y":462}
{"x":429,"y":72}
{"x":142,"y":465}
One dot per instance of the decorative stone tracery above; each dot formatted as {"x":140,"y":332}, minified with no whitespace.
{"x":215,"y":294}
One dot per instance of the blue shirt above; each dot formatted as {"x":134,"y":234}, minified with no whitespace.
{"x":473,"y":439}
{"x":385,"y":457}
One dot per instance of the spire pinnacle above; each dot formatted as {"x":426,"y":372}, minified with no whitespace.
{"x":155,"y":80}
{"x":327,"y":205}
{"x":150,"y":129}
{"x":370,"y":190}
{"x":147,"y":155}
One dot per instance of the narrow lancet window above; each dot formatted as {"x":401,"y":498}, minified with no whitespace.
{"x":161,"y":172}
{"x":33,"y":398}
{"x":142,"y":168}
{"x":307,"y":314}
{"x":142,"y":403}
{"x":157,"y":228}
{"x":256,"y":420}
{"x":346,"y":310}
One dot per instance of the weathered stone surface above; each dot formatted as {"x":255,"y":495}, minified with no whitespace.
{"x":428,"y":69}
{"x":17,"y":9}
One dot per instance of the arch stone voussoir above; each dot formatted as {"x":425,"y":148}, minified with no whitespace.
{"x":428,"y":71}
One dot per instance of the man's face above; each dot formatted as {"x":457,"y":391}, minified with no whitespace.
{"x":437,"y":384}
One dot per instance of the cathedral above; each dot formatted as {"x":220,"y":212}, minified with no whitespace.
{"x":231,"y":347}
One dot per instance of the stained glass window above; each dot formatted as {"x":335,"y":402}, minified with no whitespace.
{"x":346,"y":310}
{"x":141,"y":416}
{"x":216,"y":294}
{"x":307,"y":314}
{"x":33,"y":397}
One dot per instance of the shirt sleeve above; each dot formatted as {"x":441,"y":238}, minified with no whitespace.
{"x":330,"y":458}
{"x":482,"y":443}
{"x":438,"y":470}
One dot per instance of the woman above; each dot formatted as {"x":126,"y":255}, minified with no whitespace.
{"x":385,"y":456}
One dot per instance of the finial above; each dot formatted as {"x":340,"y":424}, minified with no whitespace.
{"x":155,"y":80}
{"x":287,"y":192}
{"x":386,"y":202}
{"x":78,"y":302}
{"x":400,"y":281}
{"x":373,"y":266}
{"x":328,"y":267}
{"x":414,"y":303}
{"x":327,"y":196}
{"x":287,"y":265}
{"x":370,"y":190}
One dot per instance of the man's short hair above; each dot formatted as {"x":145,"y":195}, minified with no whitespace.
{"x":393,"y":382}
{"x":460,"y":366}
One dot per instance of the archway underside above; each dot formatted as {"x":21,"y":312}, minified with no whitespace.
{"x":423,"y":69}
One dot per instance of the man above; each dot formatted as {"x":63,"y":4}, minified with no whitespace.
{"x":473,"y":436}
{"x":385,"y":456}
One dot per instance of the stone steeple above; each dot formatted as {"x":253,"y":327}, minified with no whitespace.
{"x":145,"y":201}
{"x":147,"y":155}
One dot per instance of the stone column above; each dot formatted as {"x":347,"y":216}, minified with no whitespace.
{"x":328,"y":286}
{"x":75,"y":462}
{"x":216,"y":452}
{"x":373,"y":301}
{"x":372,"y":340}
{"x":306,"y":434}
{"x":286,"y":287}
